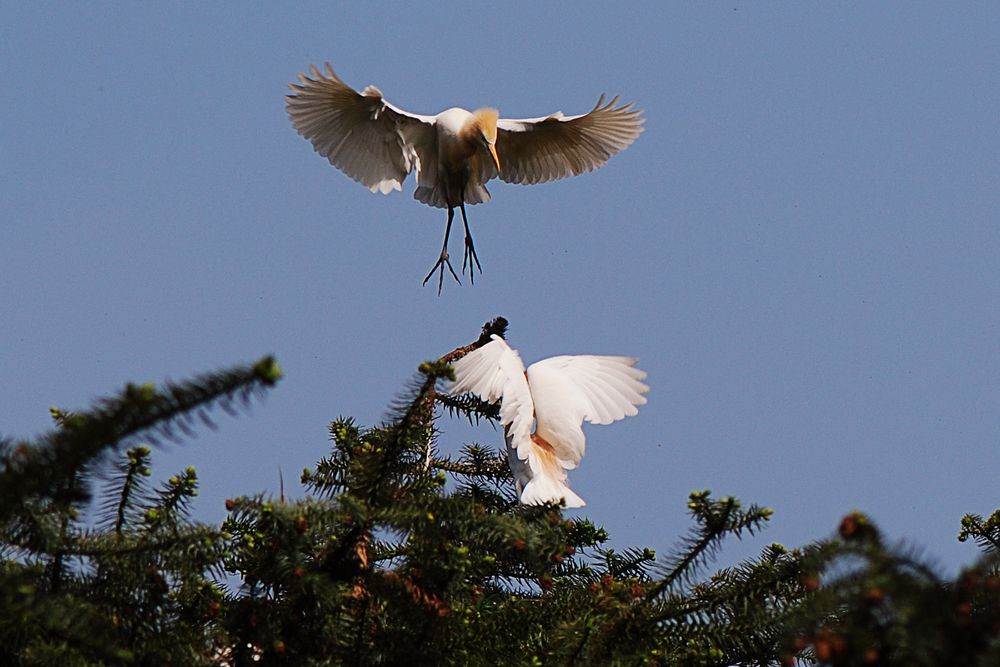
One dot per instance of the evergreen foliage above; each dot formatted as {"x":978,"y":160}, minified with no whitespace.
{"x":130,"y":588}
{"x":401,"y":554}
{"x":872,"y":604}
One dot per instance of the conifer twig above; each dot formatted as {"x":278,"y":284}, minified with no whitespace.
{"x":497,"y":326}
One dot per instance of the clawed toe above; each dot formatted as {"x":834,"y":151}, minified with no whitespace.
{"x":439,"y":267}
{"x":470,"y":257}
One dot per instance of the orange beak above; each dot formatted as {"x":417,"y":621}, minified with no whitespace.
{"x":496,"y":158}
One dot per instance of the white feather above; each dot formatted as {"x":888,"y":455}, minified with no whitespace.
{"x":555,"y":396}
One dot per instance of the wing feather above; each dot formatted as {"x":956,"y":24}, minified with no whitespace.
{"x":494,"y":372}
{"x":370,"y":140}
{"x":568,"y":390}
{"x":536,"y":150}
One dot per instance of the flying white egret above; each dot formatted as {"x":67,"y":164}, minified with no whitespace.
{"x":455,"y":152}
{"x":557,"y":395}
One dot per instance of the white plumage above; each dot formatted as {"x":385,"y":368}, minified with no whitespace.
{"x":556,"y":396}
{"x":455,"y":152}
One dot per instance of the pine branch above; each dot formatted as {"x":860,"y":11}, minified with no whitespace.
{"x":66,"y":515}
{"x":630,"y":564}
{"x":985,"y":533}
{"x":101,"y":545}
{"x":31,"y":470}
{"x":716,"y":519}
{"x":478,"y":462}
{"x":125,"y":486}
{"x":170,"y":504}
{"x":470,"y":406}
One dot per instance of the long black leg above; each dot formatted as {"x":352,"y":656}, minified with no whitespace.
{"x":443,"y":259}
{"x":470,"y":249}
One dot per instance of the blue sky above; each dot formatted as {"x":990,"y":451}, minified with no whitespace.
{"x":802,"y":247}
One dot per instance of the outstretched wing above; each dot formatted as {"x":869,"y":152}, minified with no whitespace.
{"x":569,"y":390}
{"x":370,"y":140}
{"x":535,"y":150}
{"x":494,"y":372}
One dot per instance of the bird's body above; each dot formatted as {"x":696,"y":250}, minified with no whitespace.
{"x":556,"y":396}
{"x":455,"y":152}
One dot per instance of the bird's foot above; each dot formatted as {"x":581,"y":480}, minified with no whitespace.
{"x":469,"y":257}
{"x":439,"y":266}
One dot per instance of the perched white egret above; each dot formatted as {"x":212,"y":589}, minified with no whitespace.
{"x":455,"y":152}
{"x":556,"y":395}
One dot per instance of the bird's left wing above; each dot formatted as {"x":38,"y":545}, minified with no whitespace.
{"x":569,"y":390}
{"x":535,"y":150}
{"x":493,"y":372}
{"x":370,"y":140}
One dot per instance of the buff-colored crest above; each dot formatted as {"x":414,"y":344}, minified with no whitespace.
{"x":486,"y":121}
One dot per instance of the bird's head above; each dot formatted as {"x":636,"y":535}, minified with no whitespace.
{"x":485,"y":121}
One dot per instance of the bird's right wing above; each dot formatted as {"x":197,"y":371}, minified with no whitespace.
{"x":536,"y":150}
{"x":569,"y":390}
{"x":493,"y":372}
{"x":370,"y":140}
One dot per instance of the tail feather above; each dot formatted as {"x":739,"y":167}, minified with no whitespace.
{"x":539,"y":477}
{"x":431,"y":196}
{"x":542,"y":489}
{"x":475,"y":193}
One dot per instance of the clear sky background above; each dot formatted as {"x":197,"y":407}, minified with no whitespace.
{"x":803,"y":247}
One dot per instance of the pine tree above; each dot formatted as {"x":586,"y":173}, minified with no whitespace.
{"x":402,"y":554}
